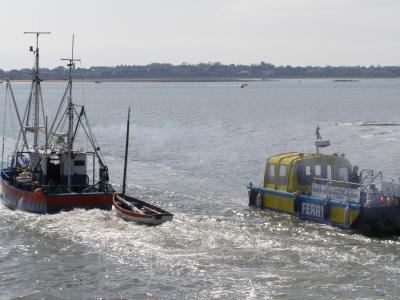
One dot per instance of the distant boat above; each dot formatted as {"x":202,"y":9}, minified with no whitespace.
{"x":243,"y":85}
{"x":97,"y":81}
{"x":379,"y":124}
{"x":132,"y":209}
{"x":345,"y":80}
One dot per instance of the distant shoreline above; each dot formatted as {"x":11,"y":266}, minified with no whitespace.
{"x":207,"y":72}
{"x":104,"y":80}
{"x":208,"y":79}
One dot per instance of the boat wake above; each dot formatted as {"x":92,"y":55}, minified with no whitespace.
{"x":198,"y":248}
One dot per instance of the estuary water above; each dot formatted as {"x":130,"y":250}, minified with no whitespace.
{"x":194,"y":148}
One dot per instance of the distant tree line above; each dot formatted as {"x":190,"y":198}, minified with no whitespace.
{"x":209,"y":70}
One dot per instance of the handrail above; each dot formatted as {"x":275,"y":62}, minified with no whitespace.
{"x":335,"y":181}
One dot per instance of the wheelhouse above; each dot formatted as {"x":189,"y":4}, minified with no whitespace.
{"x":295,"y":171}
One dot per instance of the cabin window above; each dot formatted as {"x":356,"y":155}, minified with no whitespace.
{"x":79,"y":163}
{"x":271,"y":173}
{"x":308,"y":170}
{"x":304,"y":174}
{"x":342,"y":174}
{"x":318,"y":171}
{"x":329,"y":172}
{"x":282,"y":175}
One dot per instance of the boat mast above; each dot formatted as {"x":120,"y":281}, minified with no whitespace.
{"x":126,"y":152}
{"x":36,"y":86}
{"x":70,"y":108}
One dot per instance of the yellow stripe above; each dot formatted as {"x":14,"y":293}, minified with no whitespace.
{"x":278,"y":202}
{"x":336,"y":214}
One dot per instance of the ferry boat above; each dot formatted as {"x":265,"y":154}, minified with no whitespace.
{"x":45,"y":173}
{"x":327,"y":189}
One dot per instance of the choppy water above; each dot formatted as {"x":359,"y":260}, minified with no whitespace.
{"x":194,"y":148}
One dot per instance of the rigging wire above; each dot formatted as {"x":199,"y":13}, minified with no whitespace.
{"x":10,"y":108}
{"x":41,"y":102}
{"x":4,"y":128}
{"x":60,"y":106}
{"x":81,"y":81}
{"x":60,"y":123}
{"x":26,"y":116}
{"x":97,"y":148}
{"x":29,"y":105}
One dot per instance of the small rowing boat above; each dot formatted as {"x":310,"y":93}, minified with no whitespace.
{"x":132,"y":209}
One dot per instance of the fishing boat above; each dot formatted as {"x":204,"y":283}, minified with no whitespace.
{"x":132,"y":209}
{"x":45,"y":173}
{"x":326,"y":188}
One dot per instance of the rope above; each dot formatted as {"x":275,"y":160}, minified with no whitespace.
{"x":93,"y":138}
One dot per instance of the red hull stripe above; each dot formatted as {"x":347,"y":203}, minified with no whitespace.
{"x":55,"y":201}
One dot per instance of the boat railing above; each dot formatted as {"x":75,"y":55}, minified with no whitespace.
{"x":385,"y":185}
{"x":99,"y":187}
{"x":391,"y":187}
{"x":368,"y":177}
{"x":336,"y":183}
{"x":60,"y":189}
{"x":375,"y":198}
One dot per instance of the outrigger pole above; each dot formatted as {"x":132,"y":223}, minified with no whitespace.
{"x":126,"y":152}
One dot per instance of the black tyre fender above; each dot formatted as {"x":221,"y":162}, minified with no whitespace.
{"x":252,"y":197}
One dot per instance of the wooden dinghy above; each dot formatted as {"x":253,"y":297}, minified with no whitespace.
{"x":131,"y":209}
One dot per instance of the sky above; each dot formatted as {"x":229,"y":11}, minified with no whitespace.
{"x":281,"y":32}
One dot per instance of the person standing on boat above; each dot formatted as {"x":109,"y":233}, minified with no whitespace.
{"x":354,"y":177}
{"x":372,"y":198}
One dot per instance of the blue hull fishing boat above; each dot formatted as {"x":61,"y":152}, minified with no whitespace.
{"x":327,"y":189}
